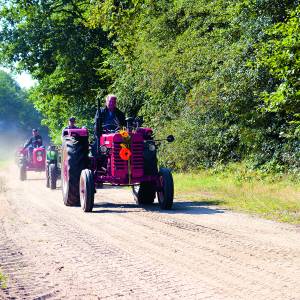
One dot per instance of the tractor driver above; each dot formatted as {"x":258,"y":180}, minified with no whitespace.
{"x":110,"y":117}
{"x":71,"y":125}
{"x":72,"y":122}
{"x":34,"y":142}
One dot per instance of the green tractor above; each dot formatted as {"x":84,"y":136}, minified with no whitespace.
{"x":52,"y":167}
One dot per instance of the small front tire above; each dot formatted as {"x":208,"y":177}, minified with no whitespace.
{"x":52,"y":176}
{"x":144,"y":194}
{"x":87,"y":190}
{"x":47,"y":176}
{"x":23,"y":174}
{"x":166,"y":192}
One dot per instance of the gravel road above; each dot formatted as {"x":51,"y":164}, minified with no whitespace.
{"x":121,"y":251}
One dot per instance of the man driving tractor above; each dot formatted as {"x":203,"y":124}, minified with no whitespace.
{"x":71,"y":124}
{"x":110,"y":117}
{"x":34,"y":142}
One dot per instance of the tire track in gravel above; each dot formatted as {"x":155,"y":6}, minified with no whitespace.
{"x":211,"y":259}
{"x":122,"y":251}
{"x":148,"y":278}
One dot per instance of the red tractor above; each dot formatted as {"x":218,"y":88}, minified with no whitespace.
{"x":121,"y":158}
{"x":34,"y":161}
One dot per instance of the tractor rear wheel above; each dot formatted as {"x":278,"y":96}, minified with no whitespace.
{"x":22,"y":170}
{"x":52,"y":176}
{"x":74,"y":160}
{"x":47,"y":176}
{"x":87,"y":190}
{"x":144,"y":193}
{"x":166,"y":192}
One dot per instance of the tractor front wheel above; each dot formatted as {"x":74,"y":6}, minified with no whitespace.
{"x":52,"y":176}
{"x":144,"y":193}
{"x":166,"y":192}
{"x":87,"y":190}
{"x":47,"y":176}
{"x":23,"y":174}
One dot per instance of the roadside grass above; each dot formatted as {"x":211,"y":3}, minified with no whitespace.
{"x":3,"y":281}
{"x":275,"y":197}
{"x":3,"y":163}
{"x":2,"y":185}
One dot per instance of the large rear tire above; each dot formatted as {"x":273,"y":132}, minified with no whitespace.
{"x":166,"y":193}
{"x":144,"y":193}
{"x":52,"y":176}
{"x":23,"y":173}
{"x":87,"y":190}
{"x":74,"y":160}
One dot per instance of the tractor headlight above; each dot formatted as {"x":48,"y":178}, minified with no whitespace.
{"x":152,"y":147}
{"x":103,"y":149}
{"x":39,"y":156}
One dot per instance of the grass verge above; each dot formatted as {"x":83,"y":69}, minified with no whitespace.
{"x":275,"y":197}
{"x":3,"y":281}
{"x":3,"y":163}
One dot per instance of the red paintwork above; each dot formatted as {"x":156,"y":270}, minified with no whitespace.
{"x":119,"y":167}
{"x":110,"y":168}
{"x":146,"y":132}
{"x":76,"y":132}
{"x":35,"y":164}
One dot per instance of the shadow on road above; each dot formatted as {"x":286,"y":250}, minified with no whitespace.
{"x":182,"y":207}
{"x":196,"y":207}
{"x":108,"y":207}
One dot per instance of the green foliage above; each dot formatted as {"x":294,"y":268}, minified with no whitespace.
{"x":51,"y":41}
{"x":239,"y":187}
{"x":280,"y":55}
{"x":221,"y":75}
{"x":16,"y":112}
{"x":3,"y":281}
{"x":187,"y":66}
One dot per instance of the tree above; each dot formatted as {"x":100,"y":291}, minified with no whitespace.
{"x":50,"y":40}
{"x":16,"y":112}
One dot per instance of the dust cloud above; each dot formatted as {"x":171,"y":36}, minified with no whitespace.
{"x":10,"y":141}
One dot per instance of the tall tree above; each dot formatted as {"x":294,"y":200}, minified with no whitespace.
{"x":16,"y":112}
{"x":50,"y":40}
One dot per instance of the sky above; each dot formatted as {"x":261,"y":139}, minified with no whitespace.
{"x":24,"y":79}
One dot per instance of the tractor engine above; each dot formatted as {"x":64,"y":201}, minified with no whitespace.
{"x":116,"y":167}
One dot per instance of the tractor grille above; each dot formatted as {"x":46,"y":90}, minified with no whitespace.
{"x":137,"y":161}
{"x":120,"y":166}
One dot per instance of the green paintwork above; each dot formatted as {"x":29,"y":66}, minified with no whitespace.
{"x":51,"y":155}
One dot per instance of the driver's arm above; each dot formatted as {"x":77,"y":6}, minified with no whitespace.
{"x":121,"y":118}
{"x":41,"y":141}
{"x":28,"y":143}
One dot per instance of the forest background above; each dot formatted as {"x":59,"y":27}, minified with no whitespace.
{"x":222,"y":76}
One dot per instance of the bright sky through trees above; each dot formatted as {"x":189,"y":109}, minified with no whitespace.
{"x":24,"y":79}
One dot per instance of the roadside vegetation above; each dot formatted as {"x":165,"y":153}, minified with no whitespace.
{"x":272,"y":196}
{"x":3,"y":280}
{"x":3,"y":163}
{"x":222,"y":76}
{"x":17,"y":113}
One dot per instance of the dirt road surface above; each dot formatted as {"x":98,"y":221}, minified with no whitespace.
{"x":121,"y":251}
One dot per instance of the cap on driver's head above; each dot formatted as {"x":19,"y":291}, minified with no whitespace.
{"x":34,"y":130}
{"x":72,"y":119}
